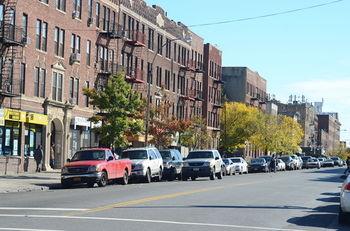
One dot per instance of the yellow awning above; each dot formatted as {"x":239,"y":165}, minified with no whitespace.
{"x":35,"y":118}
{"x":15,"y":115}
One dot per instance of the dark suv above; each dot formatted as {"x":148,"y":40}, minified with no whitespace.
{"x":172,"y":162}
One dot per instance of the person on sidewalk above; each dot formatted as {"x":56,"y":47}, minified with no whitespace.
{"x":38,"y":156}
{"x":347,"y":171}
{"x":52,"y":156}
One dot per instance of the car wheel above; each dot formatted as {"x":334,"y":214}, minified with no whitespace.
{"x":184,"y":178}
{"x":91,"y":184}
{"x":343,"y":217}
{"x":219,"y":175}
{"x":193,"y":178}
{"x":125,"y":179}
{"x":160,"y":175}
{"x":148,"y":177}
{"x":65,"y":184}
{"x":212,"y":174}
{"x":103,"y":181}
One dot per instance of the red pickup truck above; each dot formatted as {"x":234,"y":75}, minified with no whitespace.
{"x":96,"y":165}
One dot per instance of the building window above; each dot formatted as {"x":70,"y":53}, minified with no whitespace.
{"x":174,"y":82}
{"x":41,"y":35}
{"x":23,"y":78}
{"x":59,"y":41}
{"x":167,"y":79}
{"x":168,"y":48}
{"x":57,"y":79}
{"x":90,"y":9}
{"x":74,"y":90}
{"x":75,"y":43}
{"x":45,"y":1}
{"x":98,"y":9}
{"x":160,"y":44}
{"x":149,"y":73}
{"x":61,"y":5}
{"x":159,"y":77}
{"x":77,"y":9}
{"x":88,"y":52}
{"x":39,"y":82}
{"x":25,"y":26}
{"x":151,"y":39}
{"x":87,"y":86}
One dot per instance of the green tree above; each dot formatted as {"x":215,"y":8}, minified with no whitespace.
{"x":120,"y":108}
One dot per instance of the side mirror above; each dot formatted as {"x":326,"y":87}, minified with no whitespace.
{"x":184,"y":158}
{"x":68,"y":160}
{"x":173,"y":158}
{"x":110,"y":158}
{"x":150,"y":158}
{"x":217,"y":158}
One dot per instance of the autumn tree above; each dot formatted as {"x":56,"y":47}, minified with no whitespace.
{"x":239,"y":123}
{"x":119,"y":110}
{"x":290,"y":134}
{"x":196,"y":135}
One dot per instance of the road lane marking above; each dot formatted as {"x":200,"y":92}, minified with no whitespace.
{"x":42,"y":209}
{"x":18,"y":229}
{"x":155,"y":198}
{"x":149,"y":221}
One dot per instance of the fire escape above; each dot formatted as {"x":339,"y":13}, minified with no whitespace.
{"x":11,"y":43}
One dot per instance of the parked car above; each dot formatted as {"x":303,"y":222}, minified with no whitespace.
{"x":313,"y":163}
{"x":305,"y":159}
{"x":258,"y":165}
{"x":290,"y":163}
{"x":267,"y":159}
{"x":172,"y":162}
{"x":344,"y":210}
{"x":321,"y":159}
{"x":337,"y":161}
{"x":202,"y":163}
{"x":147,"y":163}
{"x":241,"y":166}
{"x":229,"y":167}
{"x":328,"y":163}
{"x":281,"y":166}
{"x":298,"y":162}
{"x":97,"y":165}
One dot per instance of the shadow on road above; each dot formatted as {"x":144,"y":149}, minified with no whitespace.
{"x":334,"y":175}
{"x":323,"y":216}
{"x":25,"y":177}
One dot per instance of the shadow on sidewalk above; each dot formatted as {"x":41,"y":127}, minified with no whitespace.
{"x":26,"y":177}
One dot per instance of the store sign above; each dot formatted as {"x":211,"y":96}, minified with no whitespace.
{"x":2,"y":117}
{"x":35,"y":118}
{"x":80,"y":121}
{"x":15,"y":115}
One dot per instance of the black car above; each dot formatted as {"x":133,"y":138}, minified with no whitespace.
{"x":258,"y":165}
{"x":172,"y":162}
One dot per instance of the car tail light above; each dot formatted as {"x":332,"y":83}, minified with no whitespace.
{"x":347,"y":187}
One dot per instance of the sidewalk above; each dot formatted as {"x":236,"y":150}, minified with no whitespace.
{"x":27,"y":182}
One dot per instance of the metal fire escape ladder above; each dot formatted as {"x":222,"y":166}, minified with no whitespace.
{"x":11,"y":43}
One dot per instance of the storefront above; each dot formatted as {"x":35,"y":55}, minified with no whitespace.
{"x":82,"y":134}
{"x":20,"y":133}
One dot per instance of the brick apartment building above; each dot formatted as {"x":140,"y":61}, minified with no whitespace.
{"x":212,"y":91}
{"x":246,"y":86}
{"x":328,"y":132}
{"x":51,"y":50}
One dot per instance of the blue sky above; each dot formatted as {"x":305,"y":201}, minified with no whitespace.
{"x":305,"y":52}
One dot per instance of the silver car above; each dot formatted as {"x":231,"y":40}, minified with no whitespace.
{"x":344,"y":211}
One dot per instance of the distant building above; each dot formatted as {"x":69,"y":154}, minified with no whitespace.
{"x":305,"y":115}
{"x":244,"y":85}
{"x":329,"y":130}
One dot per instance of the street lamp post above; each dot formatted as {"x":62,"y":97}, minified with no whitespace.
{"x":188,"y":39}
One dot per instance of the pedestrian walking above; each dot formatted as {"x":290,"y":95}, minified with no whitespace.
{"x":38,"y":156}
{"x":348,"y":165}
{"x":273,"y":162}
{"x":52,"y":156}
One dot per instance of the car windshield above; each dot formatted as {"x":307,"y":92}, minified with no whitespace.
{"x":200,"y":155}
{"x":334,"y":158}
{"x":236,"y":160}
{"x":89,"y":155}
{"x":165,"y":154}
{"x":267,"y":158}
{"x":285,"y":158}
{"x":305,"y":158}
{"x":226,"y":161}
{"x":258,"y":161}
{"x":135,"y":154}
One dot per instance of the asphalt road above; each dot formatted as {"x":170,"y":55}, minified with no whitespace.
{"x":299,"y":200}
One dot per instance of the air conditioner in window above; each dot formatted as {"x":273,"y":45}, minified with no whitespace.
{"x":75,"y":14}
{"x":26,"y":40}
{"x":75,"y":57}
{"x":90,"y":21}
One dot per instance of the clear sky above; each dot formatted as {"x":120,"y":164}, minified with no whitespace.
{"x":301,"y":53}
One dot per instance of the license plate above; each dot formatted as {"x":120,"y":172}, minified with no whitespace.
{"x":255,"y":169}
{"x":76,"y":179}
{"x":196,"y":169}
